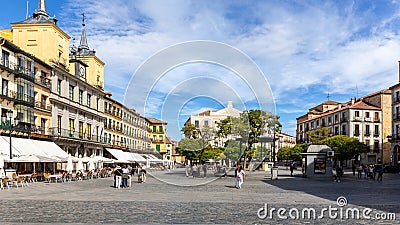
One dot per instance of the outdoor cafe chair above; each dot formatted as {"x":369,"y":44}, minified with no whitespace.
{"x":4,"y":182}
{"x":47,"y":177}
{"x":19,"y":180}
{"x":33,"y":177}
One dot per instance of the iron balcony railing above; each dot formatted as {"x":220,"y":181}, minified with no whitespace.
{"x":66,"y":133}
{"x":43,"y":105}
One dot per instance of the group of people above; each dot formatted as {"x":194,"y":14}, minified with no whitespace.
{"x":372,"y":172}
{"x":125,"y":173}
{"x":195,"y":170}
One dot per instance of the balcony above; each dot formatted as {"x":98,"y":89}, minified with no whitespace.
{"x":357,"y":119}
{"x":42,"y":105}
{"x":25,"y":73}
{"x":65,"y":133}
{"x":8,"y":94}
{"x":368,"y":119}
{"x":376,"y":134}
{"x":343,"y":120}
{"x":357,"y":133}
{"x":43,"y":81}
{"x":367,"y":133}
{"x":377,"y":120}
{"x":24,"y":99}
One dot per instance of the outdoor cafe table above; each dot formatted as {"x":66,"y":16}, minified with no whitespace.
{"x":55,"y":176}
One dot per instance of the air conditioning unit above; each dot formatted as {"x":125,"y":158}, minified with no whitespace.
{"x":330,"y":153}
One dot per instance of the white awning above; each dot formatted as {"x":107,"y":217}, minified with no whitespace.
{"x":138,"y":158}
{"x":120,"y":155}
{"x":152,"y":158}
{"x":24,"y":149}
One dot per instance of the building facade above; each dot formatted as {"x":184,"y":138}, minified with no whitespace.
{"x":77,"y":114}
{"x":366,"y":119}
{"x":157,"y":135}
{"x":17,"y":82}
{"x":124,"y":128}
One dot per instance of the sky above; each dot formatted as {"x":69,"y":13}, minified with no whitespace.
{"x":306,"y":51}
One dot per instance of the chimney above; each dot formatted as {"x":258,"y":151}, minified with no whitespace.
{"x":353,"y":100}
{"x":340,"y":106}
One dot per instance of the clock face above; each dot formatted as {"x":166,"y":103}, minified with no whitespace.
{"x":82,"y":71}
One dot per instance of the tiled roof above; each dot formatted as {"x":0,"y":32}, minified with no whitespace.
{"x":154,"y":120}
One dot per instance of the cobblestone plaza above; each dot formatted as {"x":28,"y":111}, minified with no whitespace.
{"x":216,"y":202}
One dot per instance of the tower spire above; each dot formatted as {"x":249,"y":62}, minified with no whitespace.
{"x":41,"y":10}
{"x":83,"y":48}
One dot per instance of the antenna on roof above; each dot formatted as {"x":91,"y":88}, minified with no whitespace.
{"x":27,"y":9}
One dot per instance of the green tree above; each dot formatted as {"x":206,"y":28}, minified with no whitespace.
{"x":249,"y":126}
{"x":190,"y":148}
{"x":232,"y":149}
{"x":318,"y":135}
{"x":345,"y":147}
{"x":189,"y":130}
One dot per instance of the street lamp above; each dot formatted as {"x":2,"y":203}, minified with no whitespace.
{"x":276,"y":128}
{"x":10,"y":115}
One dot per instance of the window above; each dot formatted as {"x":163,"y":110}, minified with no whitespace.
{"x":206,"y":123}
{"x":59,"y":86}
{"x":59,"y":124}
{"x":336,"y":130}
{"x":160,"y":128}
{"x":158,"y":148}
{"x":71,"y":126}
{"x":367,"y":130}
{"x":367,"y":143}
{"x":376,"y":130}
{"x":80,"y":96}
{"x":376,"y":146}
{"x":88,"y":131}
{"x":4,"y":88}
{"x":317,"y":123}
{"x":336,"y":118}
{"x":89,"y":99}
{"x":97,"y":103}
{"x":160,"y":138}
{"x":356,"y":130}
{"x":80,"y":128}
{"x":376,"y":117}
{"x":397,"y":98}
{"x":154,"y":129}
{"x":344,"y":130}
{"x":5,"y":58}
{"x":367,"y":114}
{"x":329,"y":120}
{"x":357,"y":113}
{"x":71,"y":92}
{"x":312,"y":125}
{"x":196,"y":123}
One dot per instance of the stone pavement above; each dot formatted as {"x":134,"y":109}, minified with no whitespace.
{"x":171,"y":198}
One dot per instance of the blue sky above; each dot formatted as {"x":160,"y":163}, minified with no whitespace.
{"x":304,"y":48}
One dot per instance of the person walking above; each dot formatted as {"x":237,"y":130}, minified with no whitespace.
{"x":353,"y":167}
{"x":380,"y":173}
{"x":118,"y":177}
{"x":359,"y":171}
{"x":339,"y":172}
{"x":204,"y":170}
{"x":239,"y":174}
{"x":125,"y":174}
{"x":291,"y":169}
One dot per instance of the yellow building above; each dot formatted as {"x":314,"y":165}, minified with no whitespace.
{"x":42,"y":91}
{"x":157,"y":135}
{"x":77,"y":116}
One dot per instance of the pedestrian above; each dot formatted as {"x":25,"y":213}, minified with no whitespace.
{"x":359,"y":171}
{"x":365,"y":168}
{"x":205,"y":170}
{"x":375,"y":171}
{"x":291,"y":169}
{"x":380,"y":173}
{"x":118,"y":177}
{"x":353,"y":167}
{"x":239,"y":174}
{"x":187,"y":170}
{"x":125,"y":174}
{"x":194,"y":170}
{"x":339,"y":172}
{"x":144,"y":173}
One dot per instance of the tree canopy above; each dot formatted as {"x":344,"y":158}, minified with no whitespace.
{"x":318,"y":135}
{"x":345,"y":147}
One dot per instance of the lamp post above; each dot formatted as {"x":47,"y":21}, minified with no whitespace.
{"x":10,"y":115}
{"x":276,"y":128}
